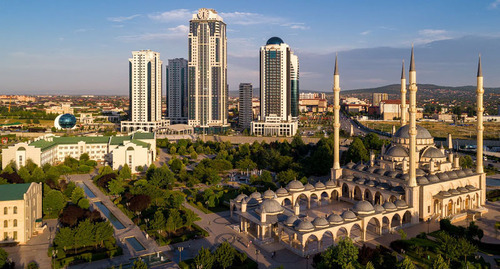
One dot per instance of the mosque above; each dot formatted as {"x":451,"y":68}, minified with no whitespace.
{"x":410,"y":182}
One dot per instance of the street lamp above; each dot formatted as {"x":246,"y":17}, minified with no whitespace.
{"x":54,"y":254}
{"x":257,"y":256}
{"x":307,"y":262}
{"x":180,"y":252}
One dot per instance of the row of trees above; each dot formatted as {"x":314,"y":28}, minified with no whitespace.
{"x":224,"y":256}
{"x":86,"y":233}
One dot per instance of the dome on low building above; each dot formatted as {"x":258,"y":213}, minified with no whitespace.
{"x":250,"y":201}
{"x":348,"y":215}
{"x":256,"y":195}
{"x":319,"y":186}
{"x":240,"y":197}
{"x":360,"y":166}
{"x":433,"y":152}
{"x":350,"y":165}
{"x":269,"y":194}
{"x":359,"y":180}
{"x":281,"y":192}
{"x":335,"y":219}
{"x":469,"y":172}
{"x":453,"y":191}
{"x":371,"y":169}
{"x":398,"y":189}
{"x":400,"y":204}
{"x":442,"y":176}
{"x":380,"y":171}
{"x":304,"y":226}
{"x":309,"y":187}
{"x":471,"y":188}
{"x":403,"y":132}
{"x":452,"y":174}
{"x":384,"y":186}
{"x":331,"y":184}
{"x":320,"y":222}
{"x":291,"y":220}
{"x":419,"y":172}
{"x":379,"y":209}
{"x":389,"y":206}
{"x":295,"y":185}
{"x":422,"y":180}
{"x":270,"y":206}
{"x":444,"y":193}
{"x":347,"y":177}
{"x":396,"y":152}
{"x":392,"y":174}
{"x":460,"y":173}
{"x":433,"y":178}
{"x":274,"y":41}
{"x":363,"y":208}
{"x":405,"y":177}
{"x":371,"y":183}
{"x":462,"y":189}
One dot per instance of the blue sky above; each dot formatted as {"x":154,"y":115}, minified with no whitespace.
{"x":80,"y":47}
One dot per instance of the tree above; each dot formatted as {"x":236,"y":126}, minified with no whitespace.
{"x":284,"y":177}
{"x":24,"y":174}
{"x":266,"y":177}
{"x":466,"y":162}
{"x":53,"y":202}
{"x":356,"y":152}
{"x":406,"y":263}
{"x":3,"y":257}
{"x":125,"y":172}
{"x":224,"y":255}
{"x":158,"y":223}
{"x":246,"y":164}
{"x":439,"y":263}
{"x":116,"y":186}
{"x":176,"y":165}
{"x":139,"y":203}
{"x":372,"y":141}
{"x":369,"y":265}
{"x":344,"y":255}
{"x":204,"y":259}
{"x":139,"y":264}
{"x":84,"y":157}
{"x":190,"y":217}
{"x":76,"y":195}
{"x":402,"y":233}
{"x":465,"y":248}
{"x":194,"y":156}
{"x":447,"y":246}
{"x":84,"y":203}
{"x":37,"y":175}
{"x":173,"y":150}
{"x":36,"y":121}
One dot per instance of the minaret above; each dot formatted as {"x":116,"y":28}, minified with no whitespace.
{"x":480,"y":128}
{"x":336,"y":171}
{"x":403,"y":96}
{"x":413,"y":122}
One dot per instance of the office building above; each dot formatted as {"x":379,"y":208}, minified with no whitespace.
{"x":145,"y":80}
{"x":176,"y":77}
{"x":279,"y":90}
{"x":245,"y":105}
{"x":20,"y":212}
{"x":378,"y":97}
{"x":207,"y":72}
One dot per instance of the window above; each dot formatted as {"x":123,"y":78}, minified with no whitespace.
{"x":15,"y":223}
{"x":5,"y":224}
{"x":428,"y":209}
{"x":5,"y":210}
{"x":15,"y":210}
{"x":15,"y":235}
{"x":5,"y":236}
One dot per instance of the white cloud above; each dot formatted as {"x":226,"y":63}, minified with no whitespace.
{"x":365,"y":32}
{"x":177,"y":32}
{"x":429,"y":35}
{"x":494,"y":4}
{"x":122,"y":19}
{"x":296,"y":25}
{"x":172,"y":15}
{"x":248,"y":18}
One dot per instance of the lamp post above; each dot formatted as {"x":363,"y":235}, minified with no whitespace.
{"x":54,"y":254}
{"x":307,"y":262}
{"x":257,"y":257}
{"x":180,"y":252}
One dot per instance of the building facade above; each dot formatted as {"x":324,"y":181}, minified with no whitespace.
{"x":177,"y":82}
{"x":245,"y":106}
{"x":145,"y":84}
{"x":137,"y":149}
{"x":207,"y":72}
{"x":379,"y":97}
{"x":20,"y":212}
{"x":279,"y":90}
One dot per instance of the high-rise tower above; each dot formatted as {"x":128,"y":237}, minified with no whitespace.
{"x":207,"y":72}
{"x":145,"y":82}
{"x":176,"y":77}
{"x":245,"y":105}
{"x":279,"y":89}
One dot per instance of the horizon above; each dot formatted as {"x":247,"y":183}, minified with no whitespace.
{"x":85,"y":49}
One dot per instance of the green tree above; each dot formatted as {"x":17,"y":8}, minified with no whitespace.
{"x":284,"y":177}
{"x":84,"y":157}
{"x":76,"y":195}
{"x":344,"y":255}
{"x":266,"y":177}
{"x":116,"y":186}
{"x":356,"y":152}
{"x":190,"y":217}
{"x":36,"y":121}
{"x":406,"y":263}
{"x":194,"y":156}
{"x":439,"y":263}
{"x":69,"y":189}
{"x":84,"y":203}
{"x":402,"y":233}
{"x":24,"y":174}
{"x":372,"y":141}
{"x":172,"y":150}
{"x":53,"y":203}
{"x":466,"y":162}
{"x":158,"y":223}
{"x":176,"y":165}
{"x":3,"y":257}
{"x":37,"y":175}
{"x":174,"y":220}
{"x":246,"y":164}
{"x":447,"y":246}
{"x":139,"y":264}
{"x":369,"y":265}
{"x":125,"y":172}
{"x":224,"y":255}
{"x":465,"y":248}
{"x":204,"y":259}
{"x":105,"y":170}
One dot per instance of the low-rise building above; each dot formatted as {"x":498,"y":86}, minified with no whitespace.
{"x":64,"y":108}
{"x":137,"y":149}
{"x":274,"y":126}
{"x":20,"y":212}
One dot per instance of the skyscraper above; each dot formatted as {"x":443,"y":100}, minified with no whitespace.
{"x":145,"y":81}
{"x":177,"y":90}
{"x":207,"y":72}
{"x":245,"y":105}
{"x":279,"y":90}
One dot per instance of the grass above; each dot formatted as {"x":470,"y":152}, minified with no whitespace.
{"x":181,"y":235}
{"x":441,"y":129}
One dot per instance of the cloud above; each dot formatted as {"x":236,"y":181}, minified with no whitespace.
{"x":430,"y":35}
{"x":82,"y":30}
{"x":248,"y":18}
{"x":494,"y":4}
{"x":172,"y":15}
{"x":177,"y":32}
{"x":122,"y":19}
{"x":296,"y":25}
{"x":365,"y":32}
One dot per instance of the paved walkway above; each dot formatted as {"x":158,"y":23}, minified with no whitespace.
{"x":130,"y":230}
{"x":35,"y":249}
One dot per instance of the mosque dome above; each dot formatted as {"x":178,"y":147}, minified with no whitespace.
{"x":319,"y":186}
{"x":348,"y":215}
{"x":422,"y":133}
{"x":250,"y":201}
{"x":389,"y":206}
{"x":269,"y":194}
{"x":320,"y":222}
{"x":392,"y":174}
{"x":295,"y":185}
{"x":452,"y":174}
{"x":462,"y":189}
{"x":400,"y":204}
{"x":469,"y":172}
{"x":444,"y":193}
{"x":240,"y":197}
{"x":461,"y":173}
{"x":433,"y":152}
{"x":360,"y":166}
{"x":331,"y":184}
{"x":350,"y":165}
{"x":453,"y":191}
{"x":304,"y":226}
{"x":281,"y":192}
{"x":274,"y":41}
{"x":379,"y":209}
{"x":442,"y":176}
{"x":256,"y":195}
{"x":291,"y":220}
{"x":433,"y":178}
{"x":422,"y":180}
{"x":270,"y":206}
{"x":471,"y":188}
{"x":308,"y":187}
{"x":363,"y":208}
{"x":335,"y":219}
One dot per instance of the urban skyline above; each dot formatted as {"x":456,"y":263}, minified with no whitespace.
{"x":371,"y":49}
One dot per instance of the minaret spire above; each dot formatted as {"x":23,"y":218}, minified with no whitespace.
{"x":479,"y":68}
{"x":412,"y":60}
{"x":403,"y":95}
{"x":413,"y":122}
{"x":480,"y":110}
{"x":336,"y":171}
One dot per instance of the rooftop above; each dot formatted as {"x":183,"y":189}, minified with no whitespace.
{"x":10,"y":192}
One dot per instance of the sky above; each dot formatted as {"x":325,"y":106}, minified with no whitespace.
{"x":82,"y":47}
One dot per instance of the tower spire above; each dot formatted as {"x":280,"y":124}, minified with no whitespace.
{"x":403,"y":71}
{"x":403,"y":95}
{"x":336,"y":70}
{"x":479,"y":67}
{"x":480,"y":127}
{"x":412,"y":60}
{"x":336,"y":171}
{"x":413,"y":122}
